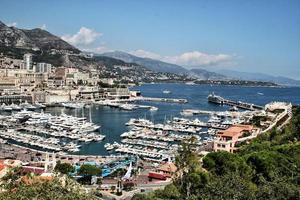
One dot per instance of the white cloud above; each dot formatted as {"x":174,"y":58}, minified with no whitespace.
{"x":44,"y":27}
{"x":14,"y":24}
{"x":145,"y":54}
{"x":99,"y":49}
{"x":196,"y":58}
{"x":188,"y":59}
{"x":84,"y":36}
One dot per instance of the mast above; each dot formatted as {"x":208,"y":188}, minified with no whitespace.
{"x":90,"y":114}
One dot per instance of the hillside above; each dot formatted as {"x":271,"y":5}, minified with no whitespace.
{"x":207,"y":75}
{"x":32,"y":39}
{"x":154,"y":65}
{"x":259,"y":77}
{"x":267,"y":168}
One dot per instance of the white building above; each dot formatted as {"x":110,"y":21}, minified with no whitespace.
{"x":43,"y":68}
{"x":28,"y":64}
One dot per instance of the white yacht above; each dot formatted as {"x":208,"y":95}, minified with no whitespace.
{"x":153,"y":108}
{"x":15,"y":107}
{"x":75,"y":105}
{"x":127,"y":106}
{"x":6,"y":108}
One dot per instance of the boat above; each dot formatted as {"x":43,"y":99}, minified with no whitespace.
{"x":233,"y":108}
{"x":39,"y":105}
{"x":28,"y":106}
{"x":153,"y":108}
{"x":127,"y":106}
{"x":215,"y":99}
{"x":190,"y":83}
{"x":108,"y":147}
{"x":75,"y":105}
{"x":214,"y":119}
{"x":15,"y":107}
{"x":6,"y":108}
{"x":167,"y":92}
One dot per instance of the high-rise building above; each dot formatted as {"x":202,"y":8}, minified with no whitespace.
{"x":43,"y":68}
{"x":27,"y":58}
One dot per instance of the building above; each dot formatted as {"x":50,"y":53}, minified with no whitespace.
{"x":227,"y":139}
{"x":118,"y":93}
{"x":8,"y":99}
{"x":54,"y":82}
{"x":43,"y":68}
{"x":93,"y":93}
{"x":24,"y":77}
{"x":28,"y":64}
{"x":7,"y":83}
{"x":108,"y":81}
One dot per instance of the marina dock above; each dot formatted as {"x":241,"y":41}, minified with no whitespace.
{"x":169,"y":100}
{"x":212,"y":98}
{"x":155,"y":99}
{"x":242,"y":105}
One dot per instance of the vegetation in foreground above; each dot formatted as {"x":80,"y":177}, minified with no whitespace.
{"x":267,"y":168}
{"x":58,"y":188}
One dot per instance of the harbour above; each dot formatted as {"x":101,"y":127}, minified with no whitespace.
{"x":169,"y":117}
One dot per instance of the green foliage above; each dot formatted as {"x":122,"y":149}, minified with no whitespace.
{"x":64,"y":168}
{"x":47,"y":190}
{"x":9,"y":180}
{"x":221,"y":163}
{"x":89,"y":170}
{"x":127,"y":186}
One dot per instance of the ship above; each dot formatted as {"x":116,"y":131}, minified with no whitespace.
{"x":167,"y":92}
{"x":215,"y":99}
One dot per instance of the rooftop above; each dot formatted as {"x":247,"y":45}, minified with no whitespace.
{"x":235,"y":130}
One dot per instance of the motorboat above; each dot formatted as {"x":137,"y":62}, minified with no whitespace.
{"x":153,"y":108}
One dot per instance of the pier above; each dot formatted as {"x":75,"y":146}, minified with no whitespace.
{"x":169,"y":100}
{"x":212,"y":98}
{"x":242,"y":105}
{"x":155,"y":99}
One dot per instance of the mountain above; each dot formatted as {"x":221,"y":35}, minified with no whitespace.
{"x":207,"y":75}
{"x":259,"y":77}
{"x":154,"y":65}
{"x":13,"y":37}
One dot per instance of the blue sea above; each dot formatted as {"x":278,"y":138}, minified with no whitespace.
{"x":112,"y":120}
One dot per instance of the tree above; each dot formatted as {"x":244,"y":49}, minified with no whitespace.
{"x":113,"y":188}
{"x":187,"y":162}
{"x":128,"y":185}
{"x":52,"y":189}
{"x":89,"y":170}
{"x":11,"y":177}
{"x":64,"y":168}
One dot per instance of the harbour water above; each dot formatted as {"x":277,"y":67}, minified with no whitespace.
{"x":112,"y":120}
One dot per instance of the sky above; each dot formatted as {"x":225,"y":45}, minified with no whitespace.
{"x":252,"y":36}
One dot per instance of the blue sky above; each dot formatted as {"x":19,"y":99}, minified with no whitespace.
{"x":253,"y":36}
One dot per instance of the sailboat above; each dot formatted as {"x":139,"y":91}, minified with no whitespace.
{"x":128,"y":173}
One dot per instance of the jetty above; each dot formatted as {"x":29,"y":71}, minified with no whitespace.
{"x":212,"y":98}
{"x":133,"y":99}
{"x":169,"y":100}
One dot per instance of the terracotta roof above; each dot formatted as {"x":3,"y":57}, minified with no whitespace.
{"x":235,"y":130}
{"x":168,"y":167}
{"x":2,"y":167}
{"x":35,"y":170}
